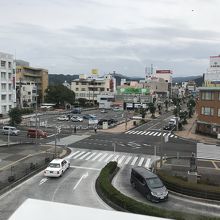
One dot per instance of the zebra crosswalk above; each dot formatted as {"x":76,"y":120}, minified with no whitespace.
{"x":151,"y":133}
{"x":123,"y":159}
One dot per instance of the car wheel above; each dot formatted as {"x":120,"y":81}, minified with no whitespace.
{"x":149,"y":197}
{"x":68,"y":166}
{"x":133,"y":184}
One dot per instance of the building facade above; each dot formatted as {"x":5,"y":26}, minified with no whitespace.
{"x":208,"y":110}
{"x":89,"y":88}
{"x":31,"y":84}
{"x":212,"y":77}
{"x":7,"y":81}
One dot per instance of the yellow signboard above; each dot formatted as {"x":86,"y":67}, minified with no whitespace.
{"x":95,"y":72}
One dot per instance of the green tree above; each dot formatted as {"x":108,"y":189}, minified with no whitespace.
{"x":191,"y":105}
{"x":15,"y":115}
{"x":152,"y":109}
{"x":82,"y":102}
{"x":59,"y":95}
{"x":143,"y":112}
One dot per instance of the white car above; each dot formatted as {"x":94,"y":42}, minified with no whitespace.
{"x":76,"y":118}
{"x":56,"y":168}
{"x":10,"y":130}
{"x":63,"y":118}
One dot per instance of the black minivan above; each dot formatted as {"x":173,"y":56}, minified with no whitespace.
{"x":148,"y":184}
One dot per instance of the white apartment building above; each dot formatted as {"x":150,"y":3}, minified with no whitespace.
{"x":89,"y":87}
{"x":27,"y":90}
{"x":7,"y":81}
{"x":213,"y":72}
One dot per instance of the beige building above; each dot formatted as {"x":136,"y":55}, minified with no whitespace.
{"x":88,"y":87}
{"x":32,"y":80}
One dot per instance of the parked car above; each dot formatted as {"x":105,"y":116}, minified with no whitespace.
{"x":10,"y":130}
{"x":63,"y":118}
{"x":148,"y":184}
{"x":56,"y":168}
{"x":89,"y":116}
{"x":32,"y":133}
{"x":76,"y":111}
{"x":103,"y":111}
{"x":76,"y":118}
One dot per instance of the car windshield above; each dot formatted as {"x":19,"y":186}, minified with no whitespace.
{"x":54,"y":165}
{"x":154,"y":183}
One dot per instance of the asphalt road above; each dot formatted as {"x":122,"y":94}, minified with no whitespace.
{"x":77,"y":186}
{"x":187,"y":205}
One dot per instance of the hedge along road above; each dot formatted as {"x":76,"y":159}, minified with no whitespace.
{"x":189,"y":205}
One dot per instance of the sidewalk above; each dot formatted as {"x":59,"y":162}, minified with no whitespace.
{"x":188,"y":132}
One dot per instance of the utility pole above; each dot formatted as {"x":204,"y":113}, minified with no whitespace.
{"x":9,"y":130}
{"x":161,"y":144}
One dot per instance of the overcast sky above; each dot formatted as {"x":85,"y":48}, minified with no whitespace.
{"x":75,"y":36}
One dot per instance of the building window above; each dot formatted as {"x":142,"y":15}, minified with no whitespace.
{"x":3,"y":86}
{"x":207,"y":95}
{"x":77,"y":83}
{"x":3,"y":75}
{"x":83,"y":89}
{"x":4,"y":109}
{"x":3,"y":63}
{"x":207,"y":111}
{"x":9,"y":64}
{"x":84,"y":83}
{"x":29,"y":93}
{"x":3,"y":97}
{"x":10,"y":107}
{"x":9,"y":97}
{"x":9,"y":75}
{"x":9,"y":87}
{"x":77,"y":89}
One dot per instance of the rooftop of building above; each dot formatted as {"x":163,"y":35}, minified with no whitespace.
{"x":32,"y":68}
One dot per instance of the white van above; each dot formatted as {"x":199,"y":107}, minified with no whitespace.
{"x":11,"y":130}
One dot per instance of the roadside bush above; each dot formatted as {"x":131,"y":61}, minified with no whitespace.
{"x":131,"y":205}
{"x":199,"y":190}
{"x":25,"y":111}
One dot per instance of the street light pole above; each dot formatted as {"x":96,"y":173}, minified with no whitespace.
{"x":9,"y":130}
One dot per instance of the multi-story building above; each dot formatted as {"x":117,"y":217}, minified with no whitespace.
{"x":7,"y":81}
{"x":212,"y":77}
{"x":31,"y":84}
{"x":208,"y":110}
{"x":88,"y":87}
{"x":167,"y":76}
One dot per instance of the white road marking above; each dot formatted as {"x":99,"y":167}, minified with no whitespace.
{"x":134,"y":161}
{"x":128,"y":159}
{"x":43,"y":181}
{"x":147,"y":164}
{"x":151,"y":133}
{"x":109,"y":157}
{"x":168,"y":134}
{"x":155,"y":133}
{"x":86,"y":168}
{"x":131,"y":132}
{"x":121,"y":159}
{"x":85,"y":155}
{"x":101,"y":158}
{"x":141,"y":161}
{"x":123,"y":145}
{"x":164,"y":134}
{"x":83,"y":177}
{"x":176,"y":136}
{"x":159,"y":134}
{"x":135,"y":132}
{"x":79,"y":155}
{"x":115,"y":158}
{"x":139,"y":132}
{"x":147,"y":133}
{"x":51,"y":135}
{"x":143,"y":132}
{"x":94,"y":158}
{"x":71,"y":155}
{"x":147,"y":145}
{"x":90,"y":156}
{"x":171,"y":135}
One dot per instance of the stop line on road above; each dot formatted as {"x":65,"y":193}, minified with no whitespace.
{"x":122,"y":159}
{"x":151,"y":133}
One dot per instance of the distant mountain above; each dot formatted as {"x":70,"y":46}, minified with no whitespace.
{"x":198,"y":79}
{"x":55,"y":79}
